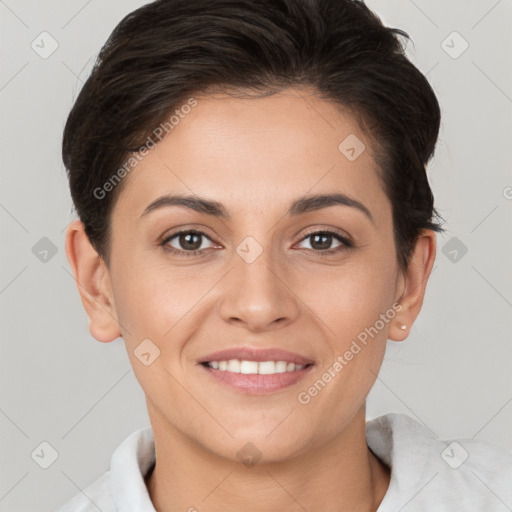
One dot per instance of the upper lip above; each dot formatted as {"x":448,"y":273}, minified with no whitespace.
{"x":255,"y":354}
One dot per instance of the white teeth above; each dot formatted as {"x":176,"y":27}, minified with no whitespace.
{"x":281,"y":366}
{"x":254,"y":367}
{"x":248,"y":367}
{"x":267,"y":367}
{"x":234,"y":366}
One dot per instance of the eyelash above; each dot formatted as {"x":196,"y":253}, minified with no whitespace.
{"x":347,"y":244}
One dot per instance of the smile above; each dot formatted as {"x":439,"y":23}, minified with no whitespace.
{"x":255,"y":371}
{"x":254,"y":367}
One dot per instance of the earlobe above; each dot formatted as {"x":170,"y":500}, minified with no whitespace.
{"x":415,"y":282}
{"x":92,"y":278}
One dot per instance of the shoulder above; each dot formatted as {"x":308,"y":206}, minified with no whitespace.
{"x":123,"y":485}
{"x":452,"y":474}
{"x":97,"y":495}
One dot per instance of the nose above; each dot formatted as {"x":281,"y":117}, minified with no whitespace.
{"x":257,"y":295}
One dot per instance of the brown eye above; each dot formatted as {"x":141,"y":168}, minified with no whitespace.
{"x":190,"y":241}
{"x":186,"y":241}
{"x":322,"y":241}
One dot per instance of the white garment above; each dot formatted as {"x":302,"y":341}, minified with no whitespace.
{"x":427,"y":474}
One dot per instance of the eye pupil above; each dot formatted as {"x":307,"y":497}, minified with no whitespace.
{"x":321,"y":241}
{"x":187,"y":241}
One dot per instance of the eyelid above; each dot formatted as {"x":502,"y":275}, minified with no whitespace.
{"x":165,"y":239}
{"x":345,"y":240}
{"x":185,"y":228}
{"x":345,"y":237}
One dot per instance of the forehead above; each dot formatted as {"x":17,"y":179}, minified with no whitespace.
{"x":258,"y":151}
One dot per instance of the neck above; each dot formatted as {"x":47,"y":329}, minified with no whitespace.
{"x":341,"y":475}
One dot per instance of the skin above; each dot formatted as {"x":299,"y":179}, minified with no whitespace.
{"x":255,"y":156}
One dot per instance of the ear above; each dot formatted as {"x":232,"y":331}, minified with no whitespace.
{"x":414,"y":282}
{"x":94,"y":284}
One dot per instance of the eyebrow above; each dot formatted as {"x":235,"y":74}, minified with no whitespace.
{"x":300,"y":206}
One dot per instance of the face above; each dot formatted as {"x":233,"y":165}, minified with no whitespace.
{"x":258,"y":273}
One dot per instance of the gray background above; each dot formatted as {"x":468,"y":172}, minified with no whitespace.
{"x":61,"y":386}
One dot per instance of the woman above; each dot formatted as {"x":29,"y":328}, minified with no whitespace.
{"x":255,"y":221}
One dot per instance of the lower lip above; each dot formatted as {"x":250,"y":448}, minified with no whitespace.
{"x":255,"y":384}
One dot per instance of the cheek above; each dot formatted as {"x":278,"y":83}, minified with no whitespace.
{"x":355,"y":304}
{"x":153,"y":299}
{"x":352,"y":297}
{"x":357,"y":310}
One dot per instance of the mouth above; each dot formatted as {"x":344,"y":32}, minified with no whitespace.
{"x":256,"y":372}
